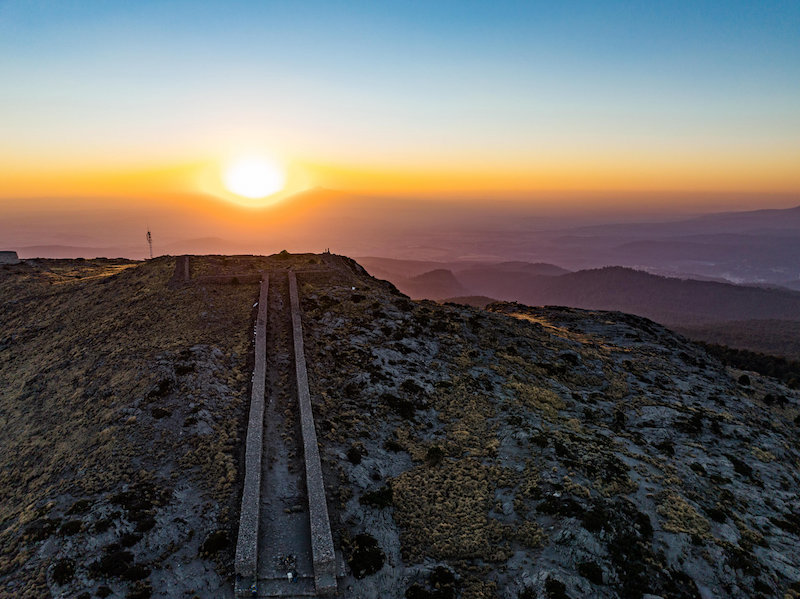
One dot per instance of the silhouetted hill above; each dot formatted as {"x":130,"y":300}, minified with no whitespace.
{"x":435,"y":284}
{"x":492,"y":279}
{"x":670,"y":301}
{"x":510,"y":280}
{"x":774,"y":337}
{"x":476,"y":301}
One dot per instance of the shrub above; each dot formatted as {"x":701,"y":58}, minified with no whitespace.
{"x":215,"y":542}
{"x":63,"y":571}
{"x":591,"y":572}
{"x":79,"y":507}
{"x":380,"y":498}
{"x":528,"y":593}
{"x":70,"y":528}
{"x":366,"y":557}
{"x":393,"y":446}
{"x":555,"y":589}
{"x":356,"y":452}
{"x":115,"y":563}
{"x":434,"y":455}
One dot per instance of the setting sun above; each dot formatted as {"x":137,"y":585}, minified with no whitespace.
{"x":254,"y":177}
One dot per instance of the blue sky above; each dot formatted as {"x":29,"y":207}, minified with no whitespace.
{"x":402,"y":83}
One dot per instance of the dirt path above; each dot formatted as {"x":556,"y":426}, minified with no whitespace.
{"x":284,"y":534}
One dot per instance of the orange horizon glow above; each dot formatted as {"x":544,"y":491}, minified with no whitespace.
{"x":735,"y":174}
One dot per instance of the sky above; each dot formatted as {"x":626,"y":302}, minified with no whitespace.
{"x":135,"y":104}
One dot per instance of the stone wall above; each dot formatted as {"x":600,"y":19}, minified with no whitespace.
{"x":247,"y":543}
{"x":321,"y":538}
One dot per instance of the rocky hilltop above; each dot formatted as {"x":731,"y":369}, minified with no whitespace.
{"x":510,"y":451}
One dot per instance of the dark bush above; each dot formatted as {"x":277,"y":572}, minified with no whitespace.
{"x":618,"y":424}
{"x":744,"y":380}
{"x":102,"y":525}
{"x":667,"y":447}
{"x":565,"y":507}
{"x":400,"y":406}
{"x":160,"y":389}
{"x":114,"y":563}
{"x":555,"y":589}
{"x":591,"y":572}
{"x":380,"y":498}
{"x":716,"y":514}
{"x":63,"y":571}
{"x":159,"y":413}
{"x":40,"y":529}
{"x":129,"y":539}
{"x":434,"y":455}
{"x":697,"y":467}
{"x":444,"y":581}
{"x":740,"y":467}
{"x":103,"y":591}
{"x":70,"y":528}
{"x":215,"y":542}
{"x":411,"y":387}
{"x":356,"y":452}
{"x":692,"y":425}
{"x":79,"y":507}
{"x":144,"y":523}
{"x":366,"y":557}
{"x":184,"y":369}
{"x":393,"y":446}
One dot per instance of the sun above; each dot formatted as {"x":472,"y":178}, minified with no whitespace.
{"x":254,"y":177}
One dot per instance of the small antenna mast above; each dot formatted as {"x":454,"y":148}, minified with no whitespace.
{"x":150,"y":241}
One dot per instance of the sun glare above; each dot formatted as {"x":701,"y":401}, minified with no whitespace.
{"x":254,"y":177}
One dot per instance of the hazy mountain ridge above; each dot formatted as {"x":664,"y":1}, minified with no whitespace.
{"x":505,"y":452}
{"x":689,"y":304}
{"x":746,"y":247}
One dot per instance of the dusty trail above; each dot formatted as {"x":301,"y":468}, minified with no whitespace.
{"x":284,"y":535}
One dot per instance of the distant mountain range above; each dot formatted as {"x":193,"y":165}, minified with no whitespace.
{"x":751,"y":317}
{"x":761,"y":246}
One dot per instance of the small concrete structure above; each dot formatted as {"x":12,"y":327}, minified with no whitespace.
{"x":323,"y":554}
{"x":9,"y":257}
{"x":246,"y":562}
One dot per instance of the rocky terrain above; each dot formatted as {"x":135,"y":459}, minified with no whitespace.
{"x":120,"y":420}
{"x":504,"y":452}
